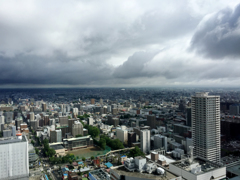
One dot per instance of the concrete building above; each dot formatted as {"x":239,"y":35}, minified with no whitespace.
{"x":18,"y":122}
{"x":2,"y":119}
{"x":32,"y":116}
{"x":198,"y":169}
{"x":145,"y":141}
{"x":180,"y":129}
{"x":13,"y":131}
{"x":189,"y":117}
{"x":90,"y":121}
{"x":34,"y":124}
{"x":46,"y":120}
{"x":160,"y":142}
{"x":92,"y":101}
{"x":55,"y":136}
{"x":78,"y":143}
{"x":77,"y":128}
{"x":33,"y":157}
{"x":131,"y":138}
{"x":8,"y":117}
{"x":63,"y":120}
{"x":75,"y":111}
{"x":7,"y":133}
{"x":206,"y":126}
{"x":14,"y":162}
{"x":234,"y":109}
{"x":122,"y":135}
{"x":151,"y":121}
{"x":44,"y":107}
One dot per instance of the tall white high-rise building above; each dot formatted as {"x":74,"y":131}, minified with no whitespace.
{"x":14,"y":158}
{"x":206,"y":126}
{"x":145,"y":141}
{"x":32,"y":116}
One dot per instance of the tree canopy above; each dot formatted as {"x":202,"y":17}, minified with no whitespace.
{"x":135,"y":152}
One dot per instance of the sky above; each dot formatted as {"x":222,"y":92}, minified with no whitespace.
{"x":119,"y":43}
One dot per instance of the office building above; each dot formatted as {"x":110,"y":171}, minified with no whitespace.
{"x":13,"y":131}
{"x":46,"y":120}
{"x":180,"y":129}
{"x":14,"y":162}
{"x":55,"y":136}
{"x":2,"y":119}
{"x":8,"y":117}
{"x":77,"y":128}
{"x":145,"y":141}
{"x":75,"y":111}
{"x":160,"y":142}
{"x":206,"y":126}
{"x":34,"y":124}
{"x":122,"y":135}
{"x":189,"y":117}
{"x":131,"y":138}
{"x":234,"y":109}
{"x":18,"y":122}
{"x":33,"y":157}
{"x":101,"y":101}
{"x":63,"y":120}
{"x":77,"y":143}
{"x":44,"y":107}
{"x":7,"y":133}
{"x":92,"y":101}
{"x":32,"y":116}
{"x":198,"y":169}
{"x":151,"y":121}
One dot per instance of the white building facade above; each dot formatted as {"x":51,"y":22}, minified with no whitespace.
{"x":145,"y":141}
{"x":14,"y":158}
{"x":206,"y":126}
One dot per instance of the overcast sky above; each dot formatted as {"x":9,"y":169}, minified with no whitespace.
{"x":136,"y":43}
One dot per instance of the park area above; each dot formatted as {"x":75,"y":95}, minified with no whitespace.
{"x":89,"y":152}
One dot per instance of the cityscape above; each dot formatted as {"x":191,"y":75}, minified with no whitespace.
{"x":119,"y":90}
{"x":119,"y":133}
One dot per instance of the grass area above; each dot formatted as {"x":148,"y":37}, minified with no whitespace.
{"x":88,"y":152}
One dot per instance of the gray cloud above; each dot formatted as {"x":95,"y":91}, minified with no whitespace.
{"x":218,"y":36}
{"x":83,"y":42}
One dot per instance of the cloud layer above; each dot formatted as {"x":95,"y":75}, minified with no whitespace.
{"x":131,"y":43}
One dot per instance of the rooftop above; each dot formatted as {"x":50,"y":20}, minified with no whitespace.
{"x":99,"y":174}
{"x":205,"y":165}
{"x":11,"y":140}
{"x":123,"y":171}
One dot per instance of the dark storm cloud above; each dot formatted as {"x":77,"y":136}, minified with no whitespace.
{"x":218,"y":36}
{"x":86,"y":42}
{"x":39,"y":70}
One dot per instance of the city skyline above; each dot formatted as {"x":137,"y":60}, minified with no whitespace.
{"x":119,"y":44}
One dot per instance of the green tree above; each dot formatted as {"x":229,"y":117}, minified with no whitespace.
{"x":37,"y":151}
{"x":79,"y":135}
{"x":70,"y":161}
{"x":92,"y":157}
{"x":102,"y":143}
{"x":51,"y":152}
{"x":32,"y":142}
{"x":83,"y":159}
{"x":135,"y":152}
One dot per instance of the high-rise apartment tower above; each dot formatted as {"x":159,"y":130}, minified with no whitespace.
{"x":206,"y":126}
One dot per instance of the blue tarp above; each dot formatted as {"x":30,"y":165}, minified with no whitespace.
{"x":46,"y":177}
{"x":123,"y":156}
{"x":108,"y":164}
{"x":80,"y":163}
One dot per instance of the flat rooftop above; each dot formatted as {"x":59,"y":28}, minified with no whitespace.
{"x":123,"y":171}
{"x":10,"y":140}
{"x":205,"y":165}
{"x":56,"y":146}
